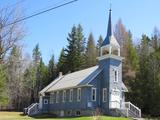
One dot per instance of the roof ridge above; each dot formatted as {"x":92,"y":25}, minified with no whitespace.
{"x":56,"y":82}
{"x":51,"y":84}
{"x":83,"y":69}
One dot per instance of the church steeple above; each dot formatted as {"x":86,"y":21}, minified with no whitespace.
{"x":109,"y":30}
{"x":110,"y":45}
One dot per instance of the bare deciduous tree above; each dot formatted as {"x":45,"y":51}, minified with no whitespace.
{"x":11,"y":31}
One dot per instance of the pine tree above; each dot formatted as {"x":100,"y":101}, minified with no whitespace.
{"x":91,"y":52}
{"x":52,"y":72}
{"x":99,"y":43}
{"x":141,"y":86}
{"x":132,"y":55}
{"x":29,"y":84}
{"x":61,"y":66}
{"x":80,"y":39}
{"x":74,"y":51}
{"x":71,"y":50}
{"x":41,"y":80}
{"x":128,"y":51}
{"x":3,"y":84}
{"x":35,"y":81}
{"x":36,"y":55}
{"x":153,"y":84}
{"x":155,"y":40}
{"x":80,"y":48}
{"x":15,"y":77}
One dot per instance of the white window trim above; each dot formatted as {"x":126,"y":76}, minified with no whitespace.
{"x":104,"y":100}
{"x":71,"y":95}
{"x":79,"y":94}
{"x":92,"y":94}
{"x":45,"y":101}
{"x":57,"y":96}
{"x":64,"y":96}
{"x":116,"y":91}
{"x":116,"y":77}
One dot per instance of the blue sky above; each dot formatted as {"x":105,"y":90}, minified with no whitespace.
{"x":51,"y":29}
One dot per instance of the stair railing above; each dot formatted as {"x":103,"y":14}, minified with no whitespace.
{"x":34,"y":109}
{"x":132,"y":110}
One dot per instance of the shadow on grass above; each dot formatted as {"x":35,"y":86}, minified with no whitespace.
{"x":47,"y":116}
{"x":22,"y":114}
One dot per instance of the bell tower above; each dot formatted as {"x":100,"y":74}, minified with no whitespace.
{"x":110,"y":46}
{"x":110,"y":61}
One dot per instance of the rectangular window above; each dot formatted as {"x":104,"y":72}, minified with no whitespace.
{"x":57,"y":97}
{"x":104,"y":94}
{"x":51,"y":98}
{"x":71,"y":95}
{"x":116,"y":76}
{"x":79,"y":94}
{"x":64,"y":96}
{"x":93,"y":95}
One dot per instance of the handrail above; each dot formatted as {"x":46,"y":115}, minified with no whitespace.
{"x":132,"y":105}
{"x":32,"y":107}
{"x":136,"y":112}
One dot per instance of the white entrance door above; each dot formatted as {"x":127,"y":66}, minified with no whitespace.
{"x":115,"y":99}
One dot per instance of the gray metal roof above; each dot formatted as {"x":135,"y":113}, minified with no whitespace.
{"x":78,"y":78}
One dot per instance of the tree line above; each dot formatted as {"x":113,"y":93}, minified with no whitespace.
{"x":22,"y":78}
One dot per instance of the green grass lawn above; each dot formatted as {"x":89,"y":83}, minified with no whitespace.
{"x":19,"y":116}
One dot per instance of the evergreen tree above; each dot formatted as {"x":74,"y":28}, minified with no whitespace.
{"x":132,"y":56}
{"x":128,"y":51}
{"x":80,"y":48}
{"x":61,"y":66}
{"x":155,"y":40}
{"x":3,"y":82}
{"x":41,"y":80}
{"x":141,"y":87}
{"x":52,"y":72}
{"x":29,"y":85}
{"x":99,"y":43}
{"x":74,"y":51}
{"x":91,"y":52}
{"x":154,"y":84}
{"x":80,"y":39}
{"x":35,"y":81}
{"x":15,"y":78}
{"x":36,"y":55}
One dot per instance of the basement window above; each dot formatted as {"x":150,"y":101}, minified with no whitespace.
{"x":69,"y":113}
{"x":78,"y":113}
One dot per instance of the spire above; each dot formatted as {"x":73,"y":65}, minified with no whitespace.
{"x":109,"y":30}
